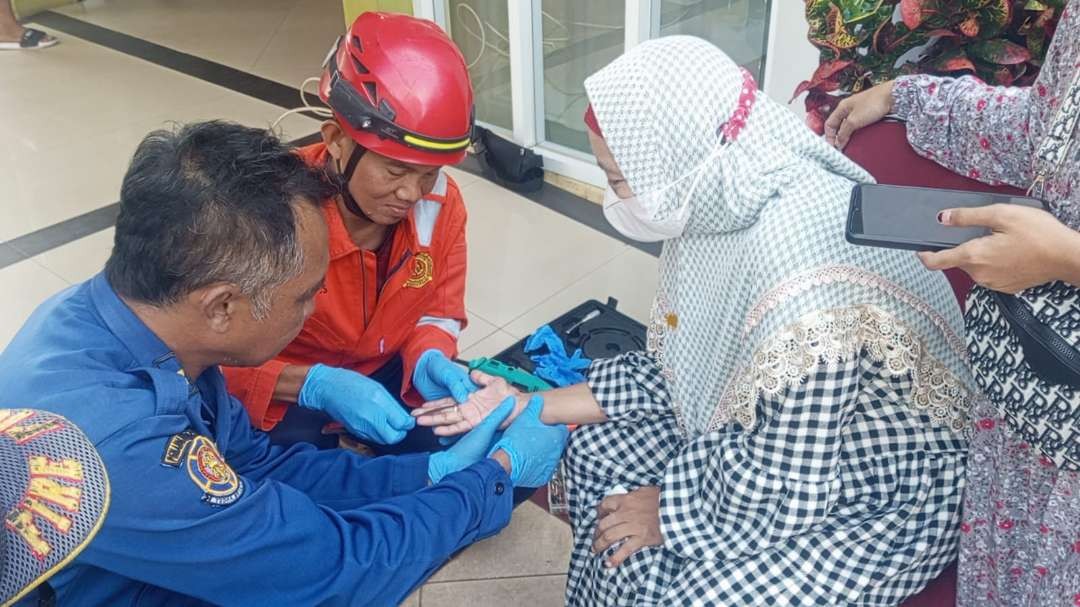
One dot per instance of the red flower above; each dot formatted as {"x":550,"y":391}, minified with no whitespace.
{"x":981,"y":105}
{"x":1076,"y":599}
{"x":1041,"y":570}
{"x":1042,"y":90}
{"x":985,"y":143}
{"x":1016,"y":571}
{"x":1043,"y":529}
{"x":1076,"y":547}
{"x":985,"y":423}
{"x":1006,"y":524}
{"x":974,"y":174}
{"x":965,"y":528}
{"x":933,"y":87}
{"x":1021,"y":445}
{"x":1000,"y":98}
{"x":1046,"y":461}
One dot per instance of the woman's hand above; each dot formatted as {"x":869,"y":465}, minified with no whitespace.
{"x":633,"y":518}
{"x":1028,"y":247}
{"x":448,"y":418}
{"x":858,"y":111}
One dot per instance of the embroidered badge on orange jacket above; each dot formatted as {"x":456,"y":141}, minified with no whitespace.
{"x":423,"y":271}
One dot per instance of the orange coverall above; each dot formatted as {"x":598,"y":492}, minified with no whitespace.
{"x":355,"y":326}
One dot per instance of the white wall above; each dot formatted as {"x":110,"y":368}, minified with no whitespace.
{"x":791,"y":58}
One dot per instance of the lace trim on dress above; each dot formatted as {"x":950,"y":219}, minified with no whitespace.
{"x":789,"y":356}
{"x":827,"y":275}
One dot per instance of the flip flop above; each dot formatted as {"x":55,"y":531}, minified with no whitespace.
{"x":31,"y":39}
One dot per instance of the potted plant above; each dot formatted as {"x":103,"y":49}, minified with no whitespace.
{"x":866,"y":42}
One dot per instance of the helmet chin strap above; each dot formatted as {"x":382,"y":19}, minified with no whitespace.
{"x":345,"y":176}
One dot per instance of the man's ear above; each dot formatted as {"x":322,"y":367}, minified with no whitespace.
{"x":219,"y":304}
{"x":336,"y":140}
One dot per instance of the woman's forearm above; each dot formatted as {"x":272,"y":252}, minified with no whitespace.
{"x":573,"y":405}
{"x":1069,"y":260}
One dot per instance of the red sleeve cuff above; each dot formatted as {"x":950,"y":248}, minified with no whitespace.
{"x":254,"y":387}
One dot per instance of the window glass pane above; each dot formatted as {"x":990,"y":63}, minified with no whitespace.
{"x":739,"y":27}
{"x":479,"y":27}
{"x":578,"y":39}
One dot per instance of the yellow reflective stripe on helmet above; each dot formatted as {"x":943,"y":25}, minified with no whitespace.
{"x":436,"y":145}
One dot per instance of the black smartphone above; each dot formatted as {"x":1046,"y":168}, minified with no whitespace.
{"x":900,"y":217}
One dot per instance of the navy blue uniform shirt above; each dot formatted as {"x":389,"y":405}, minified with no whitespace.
{"x":203,"y":508}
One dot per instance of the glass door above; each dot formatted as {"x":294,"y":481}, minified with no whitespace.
{"x":578,"y":38}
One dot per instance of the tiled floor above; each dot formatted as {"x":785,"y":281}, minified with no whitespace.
{"x":71,"y":116}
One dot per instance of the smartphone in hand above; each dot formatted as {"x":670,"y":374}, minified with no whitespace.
{"x":899,"y":217}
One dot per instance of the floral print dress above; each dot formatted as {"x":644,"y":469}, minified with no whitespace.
{"x":1020,"y":529}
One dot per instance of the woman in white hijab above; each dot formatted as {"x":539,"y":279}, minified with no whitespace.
{"x":793,"y":435}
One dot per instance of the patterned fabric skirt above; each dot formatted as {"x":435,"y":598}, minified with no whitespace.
{"x":1020,"y":535}
{"x":811,"y":569}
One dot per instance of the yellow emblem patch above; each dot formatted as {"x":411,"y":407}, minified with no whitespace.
{"x":423,"y":271}
{"x":208,"y":470}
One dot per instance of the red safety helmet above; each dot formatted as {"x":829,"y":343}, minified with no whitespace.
{"x":399,"y":87}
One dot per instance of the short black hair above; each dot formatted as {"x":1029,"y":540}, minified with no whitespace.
{"x":210,"y":202}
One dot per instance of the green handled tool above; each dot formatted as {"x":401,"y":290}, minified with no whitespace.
{"x":515,"y":375}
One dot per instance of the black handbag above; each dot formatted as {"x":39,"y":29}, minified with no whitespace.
{"x":1048,"y":354}
{"x":507,"y":163}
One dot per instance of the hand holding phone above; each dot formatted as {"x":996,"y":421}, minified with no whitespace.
{"x":899,"y":217}
{"x":1026,"y":247}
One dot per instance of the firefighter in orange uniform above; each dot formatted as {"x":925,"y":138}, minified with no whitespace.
{"x":387,"y":322}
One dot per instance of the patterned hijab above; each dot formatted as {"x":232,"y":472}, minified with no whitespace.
{"x":763,"y":249}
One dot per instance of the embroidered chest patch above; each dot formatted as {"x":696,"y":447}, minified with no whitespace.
{"x":423,"y":271}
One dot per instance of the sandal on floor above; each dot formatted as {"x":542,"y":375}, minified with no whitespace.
{"x":31,"y":39}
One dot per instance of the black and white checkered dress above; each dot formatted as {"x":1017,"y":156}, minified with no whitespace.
{"x":842,"y":494}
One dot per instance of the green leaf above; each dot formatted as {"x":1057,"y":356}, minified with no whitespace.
{"x":1001,"y":52}
{"x":1036,"y":43}
{"x":1035,"y":5}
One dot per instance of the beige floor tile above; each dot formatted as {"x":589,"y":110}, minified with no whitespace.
{"x":535,"y":543}
{"x":462,"y":178}
{"x":476,"y":331}
{"x":85,"y":90}
{"x":630,"y":278}
{"x":234,"y":32}
{"x":297,"y":49}
{"x":69,"y":156}
{"x":546,"y":591}
{"x":79,"y":260}
{"x":413,"y":600}
{"x":233,"y":107}
{"x":44,"y":187}
{"x":26,"y":285}
{"x":283,"y":40}
{"x":489,"y":346}
{"x":521,"y":253}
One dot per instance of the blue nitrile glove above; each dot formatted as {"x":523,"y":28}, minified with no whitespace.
{"x":472,"y":447}
{"x":436,"y":376}
{"x":555,"y":366}
{"x":534,"y":448}
{"x":366,"y":409}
